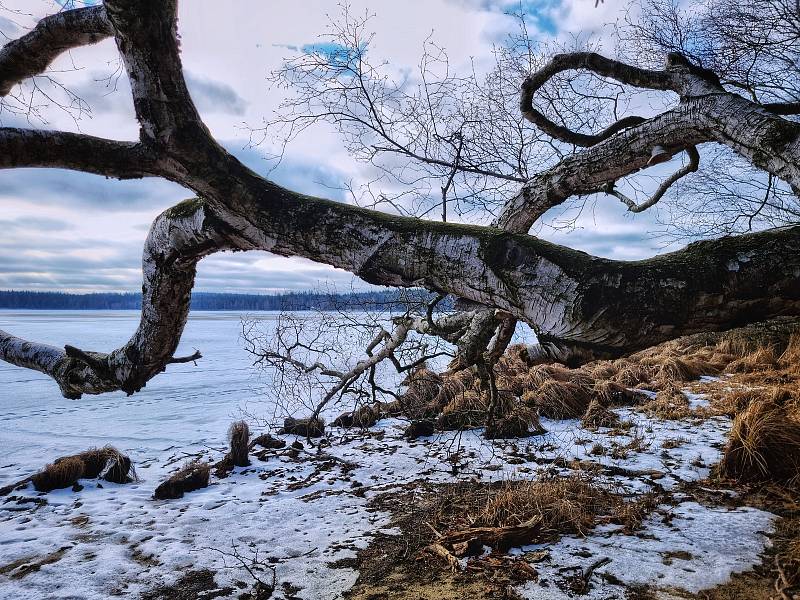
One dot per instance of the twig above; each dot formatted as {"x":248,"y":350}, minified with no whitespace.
{"x":185,"y":359}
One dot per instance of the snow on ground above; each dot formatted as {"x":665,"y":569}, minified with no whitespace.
{"x":304,"y":513}
{"x":695,"y":548}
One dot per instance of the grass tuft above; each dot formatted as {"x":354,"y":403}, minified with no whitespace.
{"x":192,"y":476}
{"x":62,"y":473}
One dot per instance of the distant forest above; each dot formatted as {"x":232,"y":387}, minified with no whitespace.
{"x":212,"y":301}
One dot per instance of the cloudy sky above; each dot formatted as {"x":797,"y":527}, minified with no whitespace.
{"x":72,"y":231}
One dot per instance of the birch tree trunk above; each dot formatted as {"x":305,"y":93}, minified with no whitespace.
{"x":571,"y":299}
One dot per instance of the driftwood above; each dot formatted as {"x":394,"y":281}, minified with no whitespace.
{"x":471,"y":541}
{"x":444,"y":553}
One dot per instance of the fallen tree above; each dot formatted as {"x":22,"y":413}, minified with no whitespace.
{"x":579,"y":305}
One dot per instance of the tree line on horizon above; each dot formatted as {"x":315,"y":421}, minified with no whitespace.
{"x":14,"y":299}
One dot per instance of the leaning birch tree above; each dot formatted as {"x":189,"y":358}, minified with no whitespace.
{"x":579,"y":305}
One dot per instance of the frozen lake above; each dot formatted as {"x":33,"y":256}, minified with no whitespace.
{"x":38,"y":424}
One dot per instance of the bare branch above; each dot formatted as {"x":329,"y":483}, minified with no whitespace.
{"x":690,"y":167}
{"x":79,"y":152}
{"x":32,"y":53}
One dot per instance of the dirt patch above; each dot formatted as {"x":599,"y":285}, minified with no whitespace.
{"x":21,"y":567}
{"x":442,"y":550}
{"x":192,"y":585}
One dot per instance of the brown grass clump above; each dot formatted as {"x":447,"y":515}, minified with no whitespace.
{"x":598,"y":415}
{"x":107,"y":463}
{"x":609,"y":393}
{"x":732,"y":346}
{"x":669,"y":403}
{"x":680,"y":370}
{"x":601,"y":369}
{"x":62,"y":473}
{"x":453,"y":386}
{"x":513,"y":362}
{"x":465,"y":411}
{"x":764,"y":443}
{"x":366,"y":416}
{"x":760,"y":359}
{"x":559,"y":399}
{"x":630,"y":373}
{"x":239,"y":440}
{"x":308,"y":427}
{"x":420,"y":428}
{"x":732,"y":402}
{"x":421,"y":393}
{"x":790,"y":359}
{"x":521,"y":421}
{"x":571,"y":504}
{"x":192,"y":476}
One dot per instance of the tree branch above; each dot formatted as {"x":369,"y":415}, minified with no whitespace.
{"x":32,"y":53}
{"x":146,"y":36}
{"x":78,"y":152}
{"x":591,"y":61}
{"x":690,"y":167}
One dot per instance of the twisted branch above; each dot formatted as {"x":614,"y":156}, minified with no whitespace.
{"x":32,"y":53}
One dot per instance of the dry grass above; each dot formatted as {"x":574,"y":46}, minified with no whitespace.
{"x":631,"y":373}
{"x":308,"y":427}
{"x":453,"y":386}
{"x":609,"y":393}
{"x":725,"y":400}
{"x":192,"y":476}
{"x":566,"y":504}
{"x":239,"y":440}
{"x":598,"y":415}
{"x":673,"y":443}
{"x":559,"y":399}
{"x":465,"y":411}
{"x":107,"y":463}
{"x":521,"y":421}
{"x":63,"y":473}
{"x":366,"y":416}
{"x":671,"y":370}
{"x":420,"y":397}
{"x":670,"y":403}
{"x":760,"y":359}
{"x":790,"y":358}
{"x":764,"y":442}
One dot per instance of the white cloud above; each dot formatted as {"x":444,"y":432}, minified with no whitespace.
{"x":228,"y":49}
